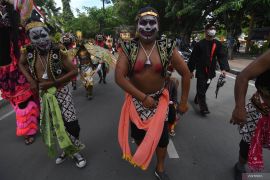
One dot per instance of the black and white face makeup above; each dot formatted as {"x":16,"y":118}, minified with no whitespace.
{"x":40,"y":38}
{"x":148,"y":27}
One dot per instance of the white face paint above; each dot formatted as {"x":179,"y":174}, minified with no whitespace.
{"x":40,"y":38}
{"x":211,"y":32}
{"x":148,"y":27}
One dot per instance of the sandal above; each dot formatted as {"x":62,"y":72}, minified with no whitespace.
{"x":29,"y":140}
{"x":172,"y":133}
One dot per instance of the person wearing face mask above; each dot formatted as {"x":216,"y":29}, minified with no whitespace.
{"x":141,"y":72}
{"x":205,"y":55}
{"x":49,"y":71}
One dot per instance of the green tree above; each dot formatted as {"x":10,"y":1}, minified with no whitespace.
{"x":245,"y":13}
{"x":67,"y":13}
{"x":105,"y":2}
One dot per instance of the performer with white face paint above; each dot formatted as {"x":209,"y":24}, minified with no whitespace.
{"x":204,"y":58}
{"x":68,"y":40}
{"x":141,"y":72}
{"x":49,"y":70}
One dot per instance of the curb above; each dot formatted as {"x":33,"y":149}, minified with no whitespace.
{"x":235,"y":71}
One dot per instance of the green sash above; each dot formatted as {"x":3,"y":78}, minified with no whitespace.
{"x":52,"y":125}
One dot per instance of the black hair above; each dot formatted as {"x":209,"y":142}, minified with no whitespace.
{"x":262,"y":81}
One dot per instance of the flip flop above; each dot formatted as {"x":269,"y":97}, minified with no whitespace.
{"x":29,"y":140}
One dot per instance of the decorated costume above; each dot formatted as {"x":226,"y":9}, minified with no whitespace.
{"x":147,"y":125}
{"x":256,"y":130}
{"x":102,"y":73}
{"x":69,"y":42}
{"x":87,"y":71}
{"x":13,"y":85}
{"x":63,"y":94}
{"x":58,"y":117}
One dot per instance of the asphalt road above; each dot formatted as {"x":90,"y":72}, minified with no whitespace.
{"x":207,"y":147}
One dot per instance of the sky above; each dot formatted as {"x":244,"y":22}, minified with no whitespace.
{"x":78,"y":4}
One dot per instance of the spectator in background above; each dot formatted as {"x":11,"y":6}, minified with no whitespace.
{"x":238,"y":46}
{"x":204,"y":58}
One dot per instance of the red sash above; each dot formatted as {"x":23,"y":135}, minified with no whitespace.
{"x":207,"y":69}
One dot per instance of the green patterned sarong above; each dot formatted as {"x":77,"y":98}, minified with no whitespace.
{"x":52,"y":125}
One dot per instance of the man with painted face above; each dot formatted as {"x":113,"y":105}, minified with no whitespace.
{"x":102,"y":73}
{"x":49,"y":71}
{"x":69,"y":42}
{"x":141,"y":72}
{"x":205,"y":55}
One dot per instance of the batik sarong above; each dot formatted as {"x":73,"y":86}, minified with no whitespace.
{"x":64,"y":98}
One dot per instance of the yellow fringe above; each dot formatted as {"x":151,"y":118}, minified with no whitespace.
{"x":129,"y":159}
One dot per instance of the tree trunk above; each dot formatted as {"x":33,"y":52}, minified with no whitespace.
{"x":251,"y":26}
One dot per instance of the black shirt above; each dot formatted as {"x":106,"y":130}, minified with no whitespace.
{"x":200,"y":59}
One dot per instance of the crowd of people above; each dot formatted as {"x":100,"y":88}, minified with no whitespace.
{"x":35,"y":75}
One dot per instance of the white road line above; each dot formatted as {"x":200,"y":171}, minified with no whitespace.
{"x":235,"y":69}
{"x":233,"y":77}
{"x":6,"y":115}
{"x":172,"y":151}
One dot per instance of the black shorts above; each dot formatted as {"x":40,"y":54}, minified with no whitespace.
{"x":244,"y":148}
{"x":172,"y":114}
{"x":138,"y":134}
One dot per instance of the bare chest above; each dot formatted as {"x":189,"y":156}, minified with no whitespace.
{"x":148,"y":62}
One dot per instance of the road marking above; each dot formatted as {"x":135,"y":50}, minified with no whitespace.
{"x":236,"y":70}
{"x":172,"y":151}
{"x":233,"y":77}
{"x":6,"y":115}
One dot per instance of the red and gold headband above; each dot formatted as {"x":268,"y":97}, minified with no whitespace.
{"x":33,"y":25}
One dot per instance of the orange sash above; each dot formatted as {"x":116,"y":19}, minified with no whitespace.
{"x":153,"y":127}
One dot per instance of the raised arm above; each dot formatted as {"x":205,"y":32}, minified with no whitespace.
{"x":252,"y":71}
{"x":181,"y":67}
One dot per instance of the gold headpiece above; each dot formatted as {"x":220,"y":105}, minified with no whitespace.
{"x":33,"y":25}
{"x":148,"y":13}
{"x":151,"y":13}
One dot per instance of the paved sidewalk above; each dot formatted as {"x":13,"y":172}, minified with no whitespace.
{"x":238,"y":64}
